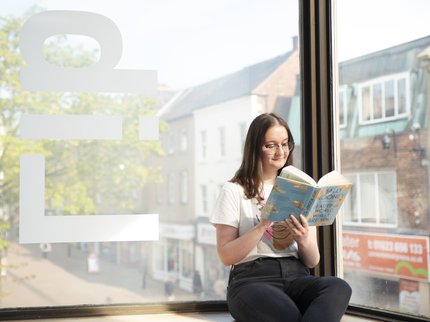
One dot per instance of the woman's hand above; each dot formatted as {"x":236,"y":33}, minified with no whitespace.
{"x":305,"y":237}
{"x":299,"y":229}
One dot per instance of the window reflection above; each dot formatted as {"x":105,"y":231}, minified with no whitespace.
{"x":384,"y":153}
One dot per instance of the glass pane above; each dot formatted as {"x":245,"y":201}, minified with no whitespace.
{"x":401,"y":96}
{"x":122,"y":133}
{"x":387,"y":198}
{"x":389,"y":98}
{"x":367,"y":199}
{"x":366,"y":106}
{"x":377,"y":101}
{"x":386,"y":244}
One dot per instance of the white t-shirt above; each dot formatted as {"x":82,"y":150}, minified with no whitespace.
{"x":234,"y":209}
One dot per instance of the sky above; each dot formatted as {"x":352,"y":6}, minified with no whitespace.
{"x":193,"y":41}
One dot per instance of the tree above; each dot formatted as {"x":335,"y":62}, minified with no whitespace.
{"x":82,"y":177}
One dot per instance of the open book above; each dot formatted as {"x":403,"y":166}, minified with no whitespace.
{"x":295,"y":193}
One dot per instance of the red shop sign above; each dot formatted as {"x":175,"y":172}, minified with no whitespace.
{"x":394,"y":255}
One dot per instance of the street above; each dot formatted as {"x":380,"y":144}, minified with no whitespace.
{"x":62,"y":278}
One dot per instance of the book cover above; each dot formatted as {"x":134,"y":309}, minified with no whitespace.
{"x":319,"y":204}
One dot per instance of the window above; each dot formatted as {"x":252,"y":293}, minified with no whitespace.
{"x":372,"y":200}
{"x":382,"y":61}
{"x":222,"y":142}
{"x":184,"y":187}
{"x":170,"y":143}
{"x":204,"y":198}
{"x":203,"y":144}
{"x":385,"y":98}
{"x":184,"y":141}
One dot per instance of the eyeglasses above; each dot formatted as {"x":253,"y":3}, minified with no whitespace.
{"x":271,"y":148}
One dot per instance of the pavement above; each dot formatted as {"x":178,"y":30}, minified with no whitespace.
{"x":62,"y":278}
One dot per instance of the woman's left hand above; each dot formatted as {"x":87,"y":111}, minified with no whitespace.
{"x":306,"y":239}
{"x":299,"y":229}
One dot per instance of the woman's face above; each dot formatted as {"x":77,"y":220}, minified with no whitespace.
{"x":275,"y":149}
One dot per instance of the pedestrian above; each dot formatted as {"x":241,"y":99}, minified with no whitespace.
{"x":270,"y":276}
{"x":45,"y":249}
{"x":197,"y":283}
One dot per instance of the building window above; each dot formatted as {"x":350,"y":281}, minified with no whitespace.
{"x":203,"y":144}
{"x":221,"y":132}
{"x":184,"y":140}
{"x":204,"y":198}
{"x":184,"y":187}
{"x":372,"y":200}
{"x":384,"y":98}
{"x":170,"y":143}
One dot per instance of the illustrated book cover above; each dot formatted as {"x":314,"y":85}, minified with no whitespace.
{"x":295,"y":192}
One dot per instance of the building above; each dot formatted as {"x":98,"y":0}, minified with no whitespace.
{"x":203,"y":151}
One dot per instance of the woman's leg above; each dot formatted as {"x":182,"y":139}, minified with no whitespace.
{"x":261,"y":302}
{"x":323,"y":298}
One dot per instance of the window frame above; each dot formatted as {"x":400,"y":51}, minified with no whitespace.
{"x":376,"y":176}
{"x":370,"y":84}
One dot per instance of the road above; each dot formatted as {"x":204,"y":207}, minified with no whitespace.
{"x":62,"y":278}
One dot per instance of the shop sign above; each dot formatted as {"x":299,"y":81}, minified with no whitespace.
{"x":387,"y":254}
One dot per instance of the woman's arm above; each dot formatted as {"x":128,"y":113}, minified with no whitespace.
{"x":306,"y":238}
{"x":232,"y":248}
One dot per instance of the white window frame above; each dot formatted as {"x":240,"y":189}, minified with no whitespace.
{"x":359,"y":202}
{"x":381,"y":81}
{"x":222,"y":141}
{"x":184,"y":140}
{"x":203,"y":144}
{"x":171,"y":143}
{"x":204,"y":198}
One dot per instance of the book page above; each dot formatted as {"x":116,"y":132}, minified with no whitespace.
{"x":293,"y":173}
{"x":332,"y":178}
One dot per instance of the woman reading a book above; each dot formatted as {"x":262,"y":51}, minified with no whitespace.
{"x":270,"y":278}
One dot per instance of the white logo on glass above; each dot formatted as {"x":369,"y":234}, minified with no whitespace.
{"x":34,"y":226}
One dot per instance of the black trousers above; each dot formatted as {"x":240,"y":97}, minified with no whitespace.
{"x":282,"y":289}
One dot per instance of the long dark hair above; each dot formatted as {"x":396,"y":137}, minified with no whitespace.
{"x":250,"y":173}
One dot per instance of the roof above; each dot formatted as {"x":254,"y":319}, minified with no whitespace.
{"x":388,"y":61}
{"x":229,"y":87}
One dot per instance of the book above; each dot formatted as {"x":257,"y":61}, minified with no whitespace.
{"x":295,"y":193}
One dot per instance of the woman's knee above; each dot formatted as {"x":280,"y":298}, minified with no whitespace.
{"x":338,"y":286}
{"x":263,"y":303}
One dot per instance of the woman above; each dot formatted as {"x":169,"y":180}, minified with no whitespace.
{"x":270,"y":278}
